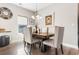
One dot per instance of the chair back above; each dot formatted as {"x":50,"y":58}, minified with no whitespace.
{"x":59,"y":32}
{"x":28,"y":35}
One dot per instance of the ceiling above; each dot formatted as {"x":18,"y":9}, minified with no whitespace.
{"x":32,"y":6}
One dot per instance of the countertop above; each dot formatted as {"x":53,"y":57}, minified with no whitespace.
{"x":5,"y":31}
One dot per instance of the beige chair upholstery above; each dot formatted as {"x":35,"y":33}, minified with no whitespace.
{"x":57,"y":39}
{"x":28,"y":38}
{"x":27,"y":35}
{"x":59,"y":32}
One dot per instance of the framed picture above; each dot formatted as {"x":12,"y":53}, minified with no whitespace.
{"x":48,"y":20}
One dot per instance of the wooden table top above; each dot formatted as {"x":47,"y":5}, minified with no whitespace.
{"x":43,"y":34}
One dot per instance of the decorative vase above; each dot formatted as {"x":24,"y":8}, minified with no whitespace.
{"x":36,"y":29}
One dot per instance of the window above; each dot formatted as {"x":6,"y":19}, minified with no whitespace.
{"x":22,"y":23}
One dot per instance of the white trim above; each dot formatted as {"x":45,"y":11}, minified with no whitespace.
{"x":71,"y":46}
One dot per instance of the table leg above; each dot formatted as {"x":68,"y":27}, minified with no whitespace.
{"x":44,"y":48}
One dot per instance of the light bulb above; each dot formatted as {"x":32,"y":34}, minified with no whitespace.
{"x":40,"y":17}
{"x":33,"y":17}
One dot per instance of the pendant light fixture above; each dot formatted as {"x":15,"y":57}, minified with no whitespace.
{"x":36,"y":15}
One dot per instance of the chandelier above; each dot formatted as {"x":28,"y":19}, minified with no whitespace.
{"x":36,"y":15}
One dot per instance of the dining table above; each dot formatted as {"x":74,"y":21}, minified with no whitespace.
{"x":43,"y":36}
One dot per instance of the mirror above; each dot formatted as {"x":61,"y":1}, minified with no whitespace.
{"x":5,"y":13}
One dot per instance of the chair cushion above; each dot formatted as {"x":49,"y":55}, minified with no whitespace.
{"x":35,"y":40}
{"x":49,"y":42}
{"x":52,"y":38}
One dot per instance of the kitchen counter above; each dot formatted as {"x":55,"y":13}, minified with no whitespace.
{"x":5,"y":31}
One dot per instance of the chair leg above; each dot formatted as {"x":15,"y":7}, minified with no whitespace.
{"x":25,"y":48}
{"x":62,"y":49}
{"x":30,"y":49}
{"x":39,"y":44}
{"x":56,"y":51}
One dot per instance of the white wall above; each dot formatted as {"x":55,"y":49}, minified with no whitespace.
{"x":12,"y":23}
{"x":65,"y":15}
{"x":22,"y":20}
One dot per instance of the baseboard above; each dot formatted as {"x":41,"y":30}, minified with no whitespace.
{"x":71,"y":46}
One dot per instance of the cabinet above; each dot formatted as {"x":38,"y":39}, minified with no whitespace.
{"x":5,"y":38}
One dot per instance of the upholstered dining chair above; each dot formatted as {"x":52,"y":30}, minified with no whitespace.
{"x":29,"y":40}
{"x":57,"y":40}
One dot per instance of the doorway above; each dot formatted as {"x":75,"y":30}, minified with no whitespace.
{"x":22,"y":23}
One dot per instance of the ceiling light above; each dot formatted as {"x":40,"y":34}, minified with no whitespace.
{"x":33,"y":17}
{"x":36,"y":16}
